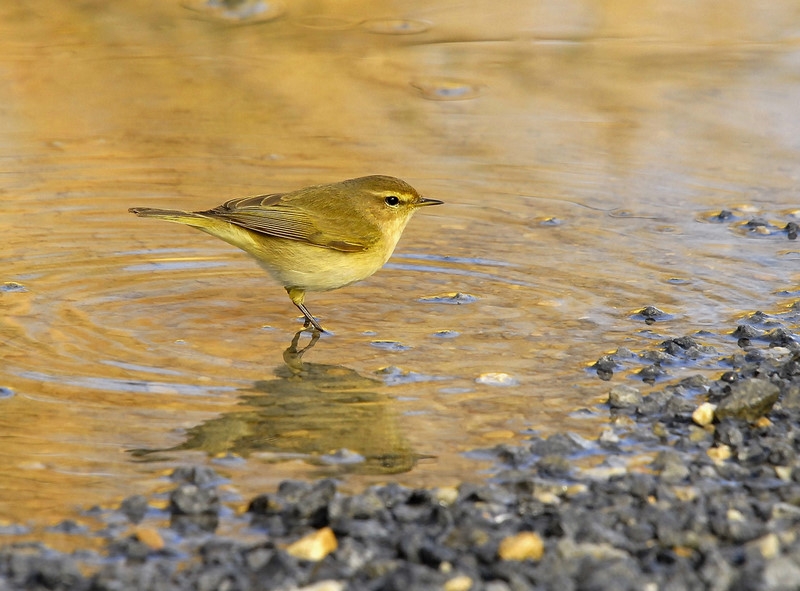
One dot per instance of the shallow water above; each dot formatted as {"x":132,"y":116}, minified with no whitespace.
{"x":583,"y":153}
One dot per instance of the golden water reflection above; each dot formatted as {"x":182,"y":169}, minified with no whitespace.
{"x":326,"y":415}
{"x":584,"y":150}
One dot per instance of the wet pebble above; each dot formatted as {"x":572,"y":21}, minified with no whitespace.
{"x":189,"y":499}
{"x":12,"y":287}
{"x":446,"y":334}
{"x":201,"y":476}
{"x":314,"y":546}
{"x":525,"y":545}
{"x":496,"y":379}
{"x":650,"y":314}
{"x":624,"y":396}
{"x":651,"y":373}
{"x":704,"y":414}
{"x":605,"y":367}
{"x":134,"y":508}
{"x":748,"y":400}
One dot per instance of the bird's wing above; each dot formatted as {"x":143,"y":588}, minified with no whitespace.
{"x":273,"y":216}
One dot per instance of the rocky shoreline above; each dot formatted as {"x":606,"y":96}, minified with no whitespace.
{"x":716,"y":506}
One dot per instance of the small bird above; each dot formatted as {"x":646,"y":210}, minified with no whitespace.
{"x":318,"y":238}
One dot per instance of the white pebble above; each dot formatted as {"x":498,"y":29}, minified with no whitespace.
{"x":497,"y":379}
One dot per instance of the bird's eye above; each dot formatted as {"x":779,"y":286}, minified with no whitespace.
{"x":392,"y":200}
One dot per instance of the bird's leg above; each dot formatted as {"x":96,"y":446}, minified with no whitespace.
{"x":310,"y":320}
{"x":297,"y":296}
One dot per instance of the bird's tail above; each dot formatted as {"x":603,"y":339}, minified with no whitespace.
{"x":206,"y":222}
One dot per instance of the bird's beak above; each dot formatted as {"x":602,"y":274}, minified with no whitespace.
{"x":426,"y":201}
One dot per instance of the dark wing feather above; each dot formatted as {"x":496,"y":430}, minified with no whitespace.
{"x":272,"y":216}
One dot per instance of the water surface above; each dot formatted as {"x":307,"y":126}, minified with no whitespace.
{"x":584,"y":152}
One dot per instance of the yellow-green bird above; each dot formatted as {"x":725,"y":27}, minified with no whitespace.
{"x":314,"y":239}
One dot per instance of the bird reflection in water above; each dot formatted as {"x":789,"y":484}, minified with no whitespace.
{"x":326,"y":415}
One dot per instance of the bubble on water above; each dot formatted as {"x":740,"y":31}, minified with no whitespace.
{"x":396,"y":26}
{"x":447,"y":89}
{"x":238,"y":11}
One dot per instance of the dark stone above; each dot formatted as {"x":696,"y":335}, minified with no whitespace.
{"x":200,"y":476}
{"x":651,"y":312}
{"x":68,"y":526}
{"x":781,"y":337}
{"x":745,"y":331}
{"x":656,"y":357}
{"x":410,"y":576}
{"x":791,"y":398}
{"x":281,"y":571}
{"x":554,"y":465}
{"x":556,"y":444}
{"x":675,"y":346}
{"x":651,"y":373}
{"x":188,"y":525}
{"x":605,"y":367}
{"x":729,"y":432}
{"x":134,"y":508}
{"x":313,"y":504}
{"x":781,"y":574}
{"x":364,"y":506}
{"x":749,"y":399}
{"x":756,"y":222}
{"x":654,"y":403}
{"x":624,"y":396}
{"x":189,"y":499}
{"x":266,"y":504}
{"x":671,"y":466}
